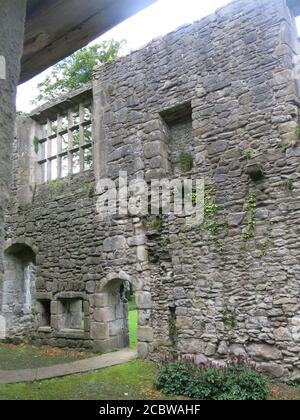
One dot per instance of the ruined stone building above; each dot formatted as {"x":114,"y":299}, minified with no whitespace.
{"x":217,"y":100}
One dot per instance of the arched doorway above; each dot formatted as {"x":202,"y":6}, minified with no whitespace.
{"x":109,"y":323}
{"x":18,"y":292}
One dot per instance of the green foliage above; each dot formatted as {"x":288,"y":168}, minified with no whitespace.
{"x":229,"y":317}
{"x":36,"y":144}
{"x":248,"y":154}
{"x":238,"y":380}
{"x":210,"y":211}
{"x":194,"y":199}
{"x":164,"y":243}
{"x":297,"y":132}
{"x":186,"y":162}
{"x":132,"y":324}
{"x":288,"y":185}
{"x":156,"y":223}
{"x":76,"y":70}
{"x":251,"y":219}
{"x":291,"y":141}
{"x":211,"y":218}
{"x":56,"y":186}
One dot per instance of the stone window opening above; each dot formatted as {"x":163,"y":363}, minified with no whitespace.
{"x":71,"y":314}
{"x":44,"y":311}
{"x":65,"y":143}
{"x":178,"y":123}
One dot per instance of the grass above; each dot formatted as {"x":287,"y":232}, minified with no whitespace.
{"x":25,"y":356}
{"x":132,"y":322}
{"x":130,"y":381}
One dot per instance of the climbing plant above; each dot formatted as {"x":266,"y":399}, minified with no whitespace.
{"x":251,"y":217}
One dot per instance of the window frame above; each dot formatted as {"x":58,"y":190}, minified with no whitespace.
{"x":50,"y":135}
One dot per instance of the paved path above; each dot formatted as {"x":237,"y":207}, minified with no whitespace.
{"x":80,"y":366}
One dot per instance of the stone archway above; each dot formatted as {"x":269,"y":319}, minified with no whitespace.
{"x":109,"y":326}
{"x":18,"y":291}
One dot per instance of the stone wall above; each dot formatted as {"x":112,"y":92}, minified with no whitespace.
{"x":12,"y":19}
{"x":222,"y":91}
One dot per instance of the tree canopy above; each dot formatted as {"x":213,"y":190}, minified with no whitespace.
{"x":76,"y":70}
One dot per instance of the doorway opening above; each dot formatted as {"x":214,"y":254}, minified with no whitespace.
{"x":18,"y":296}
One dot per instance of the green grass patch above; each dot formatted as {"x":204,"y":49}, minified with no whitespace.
{"x":132,"y":323}
{"x":26,"y":357}
{"x":130,"y":381}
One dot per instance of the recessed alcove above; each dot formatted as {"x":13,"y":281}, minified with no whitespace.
{"x":178,"y":119}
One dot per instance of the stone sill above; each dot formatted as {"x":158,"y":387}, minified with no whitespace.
{"x":45,"y":329}
{"x":68,"y":333}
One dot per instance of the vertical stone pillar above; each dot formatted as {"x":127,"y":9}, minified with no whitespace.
{"x":12,"y":21}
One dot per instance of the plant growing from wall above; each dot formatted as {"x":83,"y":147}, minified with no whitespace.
{"x":164,"y":243}
{"x":186,"y":162}
{"x":248,"y":154}
{"x":155,"y":223}
{"x":251,"y":218}
{"x":211,"y":218}
{"x":291,"y":141}
{"x":56,"y":186}
{"x":36,"y":144}
{"x":229,"y":317}
{"x":297,"y":133}
{"x":288,"y":185}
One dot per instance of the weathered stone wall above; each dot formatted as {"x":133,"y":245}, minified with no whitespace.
{"x":12,"y":19}
{"x":233,"y":294}
{"x":223,"y":91}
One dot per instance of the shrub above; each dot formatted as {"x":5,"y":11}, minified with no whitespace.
{"x":238,"y":380}
{"x":186,"y":162}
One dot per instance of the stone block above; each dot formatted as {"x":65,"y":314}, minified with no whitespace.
{"x":145,"y":334}
{"x":114,"y":243}
{"x":100,"y":300}
{"x":143,"y":350}
{"x":263,"y":352}
{"x":104,"y":314}
{"x":99,"y":330}
{"x":143,"y":300}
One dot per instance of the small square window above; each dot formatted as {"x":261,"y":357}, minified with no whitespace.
{"x":64,"y":123}
{"x":53,"y":169}
{"x":75,"y":162}
{"x":88,"y":134}
{"x":53,"y":125}
{"x":53,"y":147}
{"x":64,"y":142}
{"x":76,"y":116}
{"x":64,"y":166}
{"x":71,"y":314}
{"x":88,"y":113}
{"x":88,"y":158}
{"x":75,"y":135}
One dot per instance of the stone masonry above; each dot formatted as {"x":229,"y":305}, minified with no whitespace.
{"x":224,"y":93}
{"x":12,"y":20}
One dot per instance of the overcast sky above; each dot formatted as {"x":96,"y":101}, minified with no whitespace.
{"x":158,"y":19}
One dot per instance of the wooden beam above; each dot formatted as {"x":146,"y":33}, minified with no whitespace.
{"x":57,"y":28}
